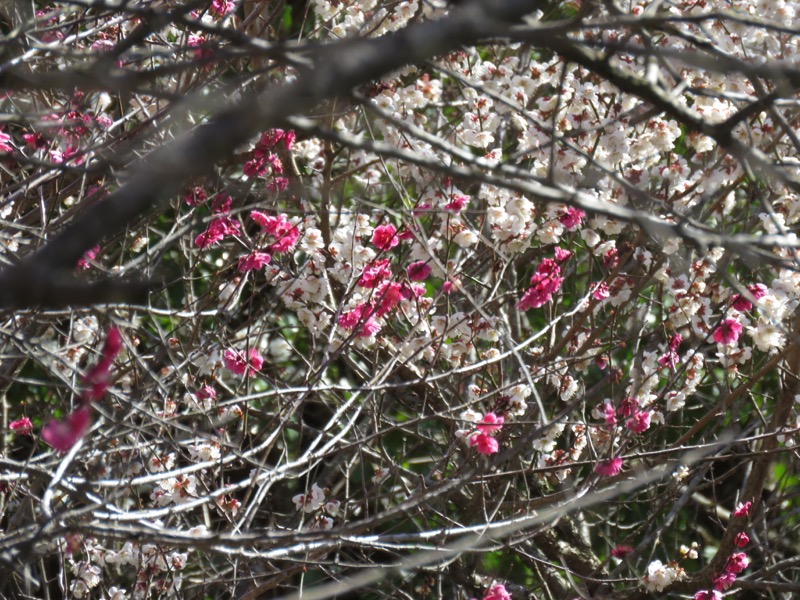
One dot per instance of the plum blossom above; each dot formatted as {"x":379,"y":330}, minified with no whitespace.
{"x":640,"y":421}
{"x":728,"y":332}
{"x":545,"y":282}
{"x":758,"y":291}
{"x":571,"y":218}
{"x":724,"y":580}
{"x":220,"y":8}
{"x":487,"y":425}
{"x":22,"y":426}
{"x":708,"y":595}
{"x":600,"y":291}
{"x":175,"y":490}
{"x":561,"y":254}
{"x":737,"y":562}
{"x":218,"y":229}
{"x":484,"y":443}
{"x":222,"y":203}
{"x":362,"y":316}
{"x":768,"y":336}
{"x":374,"y":273}
{"x":743,"y":509}
{"x":63,"y":435}
{"x":621,"y":551}
{"x":608,"y":468}
{"x":384,"y":237}
{"x":607,"y":412}
{"x":98,"y":378}
{"x":660,"y":575}
{"x":310,"y":502}
{"x":490,"y":423}
{"x":497,"y":592}
{"x":5,"y":146}
{"x":628,"y":406}
{"x":389,"y":295}
{"x":88,"y":257}
{"x":237,"y":363}
{"x":254,"y":260}
{"x":286,"y":234}
{"x":741,"y":540}
{"x":457,"y":204}
{"x":418,"y":271}
{"x":195,"y":196}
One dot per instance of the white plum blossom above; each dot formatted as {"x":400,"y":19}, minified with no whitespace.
{"x":310,"y":502}
{"x":659,"y":576}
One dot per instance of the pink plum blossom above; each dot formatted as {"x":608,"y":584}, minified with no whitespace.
{"x":490,"y":423}
{"x":724,"y":580}
{"x":206,"y":392}
{"x":561,"y":254}
{"x":277,"y":184}
{"x":255,"y":167}
{"x":198,"y":42}
{"x":5,"y":146}
{"x":195,"y":196}
{"x":484,"y":443}
{"x":375,"y":273}
{"x":545,"y":282}
{"x":279,"y":227}
{"x":254,"y":260}
{"x":611,"y":259}
{"x":222,"y":203}
{"x":497,"y":592}
{"x":360,"y":317}
{"x":728,"y":332}
{"x":608,"y":468}
{"x":621,"y":551}
{"x":743,"y":509}
{"x":457,"y":204}
{"x":737,"y":563}
{"x":63,"y":435}
{"x":640,"y":421}
{"x":628,"y":407}
{"x":669,"y":359}
{"x":609,"y":413}
{"x":601,"y":291}
{"x":708,"y":595}
{"x":99,"y":376}
{"x":571,"y":218}
{"x":21,"y":426}
{"x":220,"y":8}
{"x":758,"y":291}
{"x":88,"y":257}
{"x":384,"y":237}
{"x":351,"y":318}
{"x":741,"y":540}
{"x":389,"y":295}
{"x":418,"y":271}
{"x":237,"y":363}
{"x":218,"y":229}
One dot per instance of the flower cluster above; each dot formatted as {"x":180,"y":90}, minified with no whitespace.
{"x":63,"y":435}
{"x":734,"y":565}
{"x":322,"y":509}
{"x":545,"y":282}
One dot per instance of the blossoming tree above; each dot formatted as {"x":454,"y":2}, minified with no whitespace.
{"x":352,"y":298}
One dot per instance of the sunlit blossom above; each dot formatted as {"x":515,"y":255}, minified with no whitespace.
{"x":728,"y":332}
